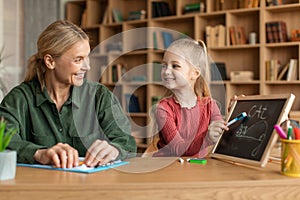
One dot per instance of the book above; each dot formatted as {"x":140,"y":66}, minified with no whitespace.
{"x":132,"y":103}
{"x":241,"y":35}
{"x":117,"y":16}
{"x":194,"y":7}
{"x":272,"y":69}
{"x":120,"y":71}
{"x":215,"y":35}
{"x":105,"y":17}
{"x":282,"y":31}
{"x":136,"y":15}
{"x":269,"y":34}
{"x":156,"y":71}
{"x":208,"y":36}
{"x":248,"y":3}
{"x":233,"y":39}
{"x":255,"y":3}
{"x":293,"y":70}
{"x":276,"y":31}
{"x":219,"y":5}
{"x":282,"y":72}
{"x":221,"y":37}
{"x":103,"y":74}
{"x":158,"y":42}
{"x":268,"y":70}
{"x":80,"y":169}
{"x":218,"y":71}
{"x":114,"y":74}
{"x":160,"y":9}
{"x":167,"y":38}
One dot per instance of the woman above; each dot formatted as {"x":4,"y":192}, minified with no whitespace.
{"x":59,"y":114}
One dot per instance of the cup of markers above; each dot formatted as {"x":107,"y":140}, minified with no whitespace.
{"x":290,"y":151}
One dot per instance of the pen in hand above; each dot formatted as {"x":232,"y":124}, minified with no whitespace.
{"x":238,"y":118}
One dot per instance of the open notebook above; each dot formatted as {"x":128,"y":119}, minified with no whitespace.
{"x":80,"y":169}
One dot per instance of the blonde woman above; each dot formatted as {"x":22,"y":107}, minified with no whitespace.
{"x":59,"y":114}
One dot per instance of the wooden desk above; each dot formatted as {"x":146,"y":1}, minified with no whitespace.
{"x":215,"y":180}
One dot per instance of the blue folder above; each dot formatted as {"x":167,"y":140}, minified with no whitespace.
{"x":79,"y":169}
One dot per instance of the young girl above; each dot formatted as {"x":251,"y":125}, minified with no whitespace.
{"x":186,"y":117}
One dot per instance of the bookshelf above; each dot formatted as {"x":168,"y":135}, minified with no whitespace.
{"x":97,"y":19}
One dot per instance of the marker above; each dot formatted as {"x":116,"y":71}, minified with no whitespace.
{"x":238,"y":118}
{"x":280,"y":132}
{"x":297,"y":133}
{"x":289,"y":134}
{"x":197,"y":160}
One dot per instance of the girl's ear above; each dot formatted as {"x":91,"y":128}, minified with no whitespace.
{"x":195,"y":74}
{"x":49,"y":62}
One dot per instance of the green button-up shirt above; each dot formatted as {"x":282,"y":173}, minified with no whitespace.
{"x":91,"y":112}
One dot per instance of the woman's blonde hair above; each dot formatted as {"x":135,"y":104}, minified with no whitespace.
{"x":56,"y":39}
{"x":195,"y":52}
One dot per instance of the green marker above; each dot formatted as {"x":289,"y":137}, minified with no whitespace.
{"x":197,"y":160}
{"x":289,"y":135}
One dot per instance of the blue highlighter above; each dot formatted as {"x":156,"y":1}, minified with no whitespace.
{"x":238,"y":118}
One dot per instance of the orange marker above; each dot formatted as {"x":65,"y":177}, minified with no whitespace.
{"x":296,"y":133}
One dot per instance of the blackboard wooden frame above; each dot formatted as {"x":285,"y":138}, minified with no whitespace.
{"x":249,"y":141}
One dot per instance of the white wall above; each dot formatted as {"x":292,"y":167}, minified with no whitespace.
{"x":1,"y":23}
{"x":11,"y":37}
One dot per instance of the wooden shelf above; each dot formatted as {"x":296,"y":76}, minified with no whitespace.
{"x":250,"y":57}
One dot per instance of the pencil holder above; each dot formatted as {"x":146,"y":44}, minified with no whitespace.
{"x":290,"y":157}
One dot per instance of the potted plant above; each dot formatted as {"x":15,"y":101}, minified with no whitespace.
{"x":8,"y":158}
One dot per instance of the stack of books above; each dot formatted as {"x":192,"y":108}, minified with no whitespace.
{"x":276,"y":32}
{"x":237,"y":35}
{"x":287,"y":72}
{"x":215,"y":36}
{"x":160,"y":9}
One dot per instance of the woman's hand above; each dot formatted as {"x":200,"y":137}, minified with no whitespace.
{"x":215,"y":129}
{"x":61,"y":155}
{"x":100,"y":153}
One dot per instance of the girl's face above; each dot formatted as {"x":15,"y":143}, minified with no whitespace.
{"x":71,"y":67}
{"x":177,"y":73}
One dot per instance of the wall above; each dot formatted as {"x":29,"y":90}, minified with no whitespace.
{"x":10,"y":36}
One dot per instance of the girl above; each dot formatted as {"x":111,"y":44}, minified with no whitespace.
{"x":186,"y":117}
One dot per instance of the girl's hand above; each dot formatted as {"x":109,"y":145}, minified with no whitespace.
{"x":215,"y":129}
{"x":61,"y":155}
{"x":100,"y":153}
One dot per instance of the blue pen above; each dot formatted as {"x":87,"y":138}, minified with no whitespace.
{"x":239,"y":117}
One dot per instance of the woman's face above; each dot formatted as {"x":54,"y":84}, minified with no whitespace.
{"x":177,"y":73}
{"x":71,"y":67}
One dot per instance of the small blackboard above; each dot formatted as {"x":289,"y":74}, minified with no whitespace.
{"x":249,"y":141}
